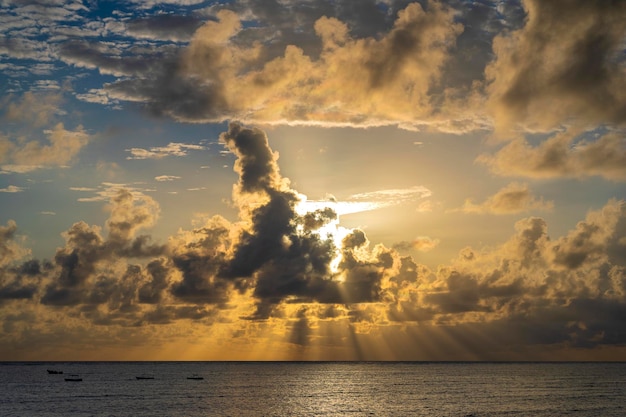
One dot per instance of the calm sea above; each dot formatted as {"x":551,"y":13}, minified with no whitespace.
{"x":313,"y":389}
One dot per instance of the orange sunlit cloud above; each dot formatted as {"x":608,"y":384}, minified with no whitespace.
{"x":398,"y":181}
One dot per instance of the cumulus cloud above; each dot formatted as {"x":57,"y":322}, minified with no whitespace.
{"x":562,"y":66}
{"x":86,"y":264}
{"x":551,"y":283}
{"x":439,"y":65}
{"x":10,"y":250}
{"x":63,"y":145}
{"x":17,"y":281}
{"x":564,"y":154}
{"x":20,"y":152}
{"x":275,"y":264}
{"x":514,"y":198}
{"x":353,"y":80}
{"x":280,"y":249}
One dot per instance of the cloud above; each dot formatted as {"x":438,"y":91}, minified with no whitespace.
{"x":564,"y":154}
{"x":105,"y":57}
{"x":561,"y":67}
{"x":35,"y":109}
{"x":164,"y":27}
{"x":275,"y":265}
{"x":513,"y":198}
{"x":10,"y":250}
{"x":367,"y":201}
{"x":531,"y":289}
{"x":421,"y":243}
{"x":159,"y":152}
{"x":435,"y":65}
{"x":86,"y":265}
{"x":20,"y":152}
{"x":426,"y":206}
{"x":11,"y":189}
{"x":358,"y":81}
{"x":393,"y":196}
{"x":108,"y":190}
{"x":63,"y":146}
{"x":162,"y":178}
{"x":275,"y":252}
{"x":17,"y":281}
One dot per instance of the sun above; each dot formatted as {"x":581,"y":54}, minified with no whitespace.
{"x":331,"y":229}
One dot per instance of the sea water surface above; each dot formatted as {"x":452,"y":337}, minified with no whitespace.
{"x":313,"y":389}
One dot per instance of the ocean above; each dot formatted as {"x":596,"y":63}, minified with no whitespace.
{"x":446,"y":389}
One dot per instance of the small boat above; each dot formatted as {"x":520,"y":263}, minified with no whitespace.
{"x":53,"y":372}
{"x":73,"y":378}
{"x":144,"y":377}
{"x":195,"y":376}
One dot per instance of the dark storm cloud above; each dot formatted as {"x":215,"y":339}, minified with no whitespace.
{"x":256,"y":163}
{"x":269,"y":237}
{"x":284,"y":260}
{"x":280,"y":250}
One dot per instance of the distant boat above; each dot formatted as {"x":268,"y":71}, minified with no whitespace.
{"x":73,"y":378}
{"x":53,"y":372}
{"x":144,"y":377}
{"x":195,"y":376}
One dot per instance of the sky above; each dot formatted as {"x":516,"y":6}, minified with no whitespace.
{"x":312,"y":180}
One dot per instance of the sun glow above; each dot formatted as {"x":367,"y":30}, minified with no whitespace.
{"x":331,"y":229}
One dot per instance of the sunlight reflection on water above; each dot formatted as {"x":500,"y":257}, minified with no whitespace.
{"x":314,"y":389}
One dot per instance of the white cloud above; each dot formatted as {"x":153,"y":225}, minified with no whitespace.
{"x":158,"y":152}
{"x":162,"y":178}
{"x":11,"y":189}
